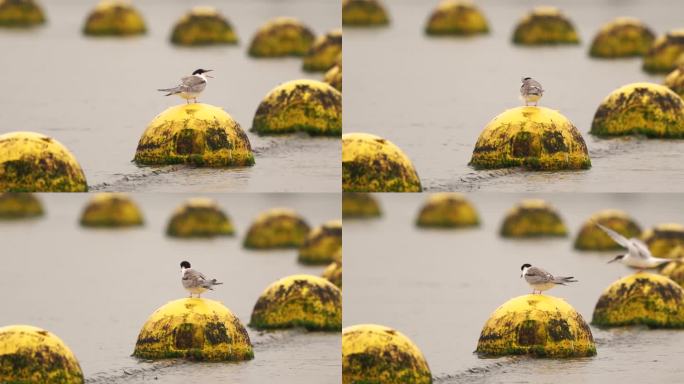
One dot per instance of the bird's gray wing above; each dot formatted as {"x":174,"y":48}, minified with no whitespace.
{"x":618,"y":238}
{"x":537,"y":275}
{"x":641,"y":249}
{"x":194,"y":277}
{"x":192,"y":81}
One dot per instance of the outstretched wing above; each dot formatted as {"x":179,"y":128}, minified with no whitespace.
{"x":618,"y":238}
{"x":641,"y":249}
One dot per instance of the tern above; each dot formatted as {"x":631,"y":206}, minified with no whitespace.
{"x":638,"y":255}
{"x":194,"y":281}
{"x":190,"y":86}
{"x":531,"y":91}
{"x":540,"y":280}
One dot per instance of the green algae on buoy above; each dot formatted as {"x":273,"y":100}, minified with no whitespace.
{"x":306,"y":301}
{"x":15,"y":205}
{"x":536,"y":325}
{"x":533,"y":218}
{"x":114,"y":18}
{"x":277,"y":228}
{"x":111,"y":210}
{"x":20,"y":13}
{"x":675,"y":268}
{"x":447,"y":210}
{"x":203,"y":26}
{"x":303,"y":105}
{"x":456,"y":18}
{"x":622,"y":37}
{"x":322,"y":243}
{"x":377,"y":354}
{"x":545,"y":26}
{"x":199,"y":217}
{"x":373,"y":164}
{"x":641,"y":299}
{"x":536,"y":138}
{"x":663,"y":239}
{"x":32,"y":162}
{"x":333,"y":273}
{"x":324,"y":52}
{"x":359,"y":205}
{"x":648,"y":109}
{"x":198,"y":134}
{"x":194,"y":329}
{"x":663,"y":55}
{"x":675,"y":80}
{"x":334,"y":76}
{"x":32,"y":355}
{"x":363,"y":13}
{"x":591,"y":237}
{"x":282,"y":36}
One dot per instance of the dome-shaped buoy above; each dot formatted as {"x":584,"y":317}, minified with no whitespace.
{"x":535,"y":138}
{"x":377,"y":354}
{"x":675,"y":80}
{"x":306,"y":301}
{"x":114,"y":18}
{"x":641,"y":299}
{"x":359,"y":205}
{"x":194,"y":329}
{"x":15,"y":205}
{"x":545,"y":26}
{"x":533,"y":218}
{"x":456,"y":18}
{"x":373,"y":164}
{"x":536,"y":325}
{"x":199,"y":217}
{"x":591,"y":237}
{"x":33,"y":355}
{"x":622,"y":37}
{"x":111,"y":210}
{"x":447,"y":210}
{"x":31,"y":162}
{"x":333,"y":273}
{"x":203,"y":26}
{"x":282,"y":36}
{"x":277,"y":228}
{"x":334,"y":76}
{"x":21,"y":13}
{"x":666,"y":50}
{"x":322,"y":243}
{"x":324,"y":52}
{"x":363,"y":13}
{"x":648,"y":109}
{"x":309,"y":106}
{"x":663,"y":239}
{"x":197,"y":134}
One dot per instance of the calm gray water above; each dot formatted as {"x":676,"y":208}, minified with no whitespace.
{"x":439,"y":288}
{"x":433,"y":96}
{"x":96,"y":96}
{"x":95,"y":288}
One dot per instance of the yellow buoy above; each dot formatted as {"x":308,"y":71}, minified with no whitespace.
{"x":363,"y":13}
{"x":203,"y":26}
{"x":675,"y":268}
{"x":111,"y":210}
{"x":199,"y":217}
{"x":622,"y":37}
{"x":31,"y":162}
{"x":304,"y":301}
{"x":533,"y":218}
{"x":197,"y":134}
{"x":333,"y":273}
{"x":334,"y":76}
{"x":666,"y":50}
{"x":194,"y":329}
{"x":322,"y":243}
{"x":591,"y":237}
{"x":675,"y":81}
{"x":15,"y":205}
{"x":447,"y":210}
{"x":456,"y":18}
{"x":282,"y":36}
{"x":33,"y":355}
{"x":20,"y":13}
{"x":114,"y":18}
{"x":359,"y":205}
{"x":377,"y":354}
{"x":544,"y":26}
{"x":663,"y":239}
{"x":277,"y":228}
{"x":324,"y":52}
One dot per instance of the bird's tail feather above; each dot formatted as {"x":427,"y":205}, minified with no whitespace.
{"x":171,"y":91}
{"x":561,"y":280}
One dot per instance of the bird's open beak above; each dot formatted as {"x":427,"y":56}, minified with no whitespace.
{"x":207,"y":71}
{"x":616,"y":258}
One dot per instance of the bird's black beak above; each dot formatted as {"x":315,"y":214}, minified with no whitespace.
{"x":616,"y":258}
{"x":207,"y":71}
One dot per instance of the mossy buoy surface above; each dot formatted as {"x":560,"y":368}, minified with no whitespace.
{"x":34,"y":355}
{"x":194,"y":329}
{"x":305,"y":301}
{"x":309,"y":106}
{"x":666,"y":50}
{"x":675,"y":271}
{"x":591,"y":237}
{"x":203,"y":26}
{"x":641,"y":299}
{"x":282,"y":36}
{"x":675,"y":81}
{"x":373,"y":164}
{"x":277,"y":228}
{"x":456,"y":18}
{"x":114,"y":18}
{"x":377,"y":354}
{"x":334,"y":76}
{"x":333,"y":273}
{"x":364,"y":13}
{"x":31,"y":162}
{"x":648,"y":109}
{"x":533,"y":218}
{"x":536,"y":138}
{"x":322,"y":243}
{"x":663,"y":239}
{"x":324,"y":52}
{"x":536,"y":325}
{"x":15,"y":205}
{"x":20,"y":13}
{"x":447,"y":210}
{"x":111,"y":210}
{"x":198,"y":134}
{"x":359,"y":205}
{"x":545,"y":26}
{"x":199,"y":217}
{"x":622,"y":37}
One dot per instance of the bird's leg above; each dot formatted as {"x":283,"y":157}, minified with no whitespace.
{"x":187,"y":101}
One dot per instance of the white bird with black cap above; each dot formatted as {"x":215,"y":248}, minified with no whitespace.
{"x":540,"y":280}
{"x":190,"y":86}
{"x":194,"y":281}
{"x":638,"y":255}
